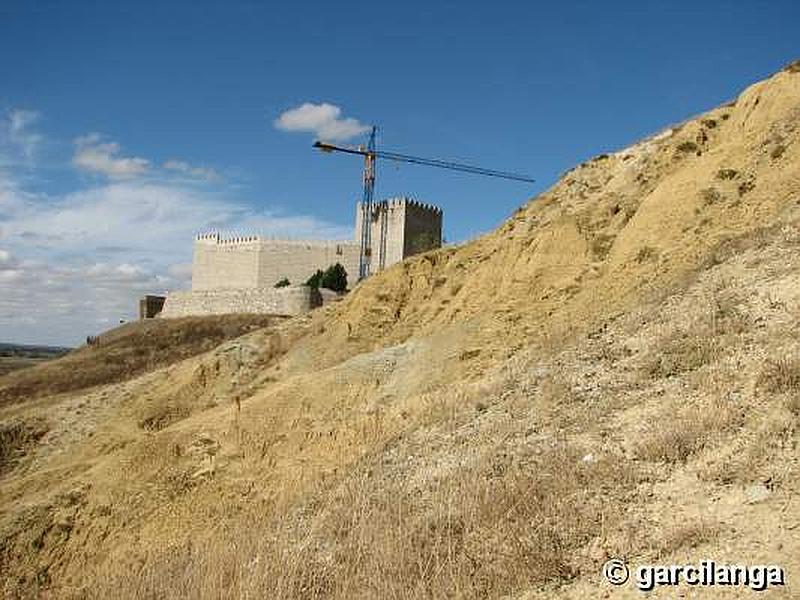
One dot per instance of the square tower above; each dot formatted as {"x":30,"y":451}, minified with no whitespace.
{"x":399,"y":228}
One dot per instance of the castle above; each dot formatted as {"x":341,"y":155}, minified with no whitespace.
{"x":239,"y":274}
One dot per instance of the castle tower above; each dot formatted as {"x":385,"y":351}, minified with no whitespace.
{"x":400,"y":227}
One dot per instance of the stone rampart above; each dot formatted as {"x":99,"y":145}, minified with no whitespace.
{"x":299,"y":260}
{"x":256,"y":262}
{"x":288,"y":301}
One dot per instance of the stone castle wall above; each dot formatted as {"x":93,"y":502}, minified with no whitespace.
{"x":239,"y":274}
{"x":289,"y":301}
{"x":297,"y":261}
{"x":219,"y":263}
{"x":253,"y":262}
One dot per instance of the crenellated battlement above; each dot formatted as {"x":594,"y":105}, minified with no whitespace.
{"x":216,"y":238}
{"x":239,"y":240}
{"x":408,"y":201}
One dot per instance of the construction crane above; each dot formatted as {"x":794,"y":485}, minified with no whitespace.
{"x":368,"y":206}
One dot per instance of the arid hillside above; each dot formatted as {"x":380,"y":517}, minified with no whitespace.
{"x":128,"y":351}
{"x":614,"y":372}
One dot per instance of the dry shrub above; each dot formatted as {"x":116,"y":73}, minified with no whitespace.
{"x":646,"y":254}
{"x":780,"y":376}
{"x":703,"y":343}
{"x":793,"y":404}
{"x":487,"y":529}
{"x":793,"y":67}
{"x":753,"y":456}
{"x":601,"y":245}
{"x":159,"y":416}
{"x":687,"y":147}
{"x":17,"y":436}
{"x":710,"y":195}
{"x":682,"y":536}
{"x":681,"y":352}
{"x":676,"y":437}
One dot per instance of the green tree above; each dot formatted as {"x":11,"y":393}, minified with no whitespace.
{"x":283,"y":283}
{"x":335,"y":278}
{"x":315,"y":279}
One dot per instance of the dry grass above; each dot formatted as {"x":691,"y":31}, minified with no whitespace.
{"x":485,"y":530}
{"x":680,"y":435}
{"x":704,"y":342}
{"x":128,"y":351}
{"x":14,"y":363}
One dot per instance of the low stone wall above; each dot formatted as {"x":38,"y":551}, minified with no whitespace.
{"x":290,"y":301}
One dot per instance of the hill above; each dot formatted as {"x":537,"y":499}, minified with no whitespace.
{"x":615,"y":371}
{"x":127,"y":351}
{"x":19,"y":356}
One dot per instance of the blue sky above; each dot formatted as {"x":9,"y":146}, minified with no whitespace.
{"x":125,"y":128}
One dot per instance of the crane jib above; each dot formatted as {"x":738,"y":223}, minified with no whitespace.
{"x":418,"y":160}
{"x":370,"y":154}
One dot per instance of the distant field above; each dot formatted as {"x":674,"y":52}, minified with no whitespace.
{"x":19,"y":356}
{"x":12,"y":363}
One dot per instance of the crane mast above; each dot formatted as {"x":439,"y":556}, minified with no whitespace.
{"x":370,"y":210}
{"x":365,"y":254}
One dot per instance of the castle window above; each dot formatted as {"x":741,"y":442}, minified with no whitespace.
{"x":338,"y":249}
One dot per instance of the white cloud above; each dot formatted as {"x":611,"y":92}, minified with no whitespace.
{"x":323,"y":120}
{"x":72,"y":263}
{"x":9,"y":267}
{"x":57,"y":303}
{"x":188,"y":170}
{"x":117,"y":273}
{"x":20,"y":118}
{"x":157,"y":217}
{"x":18,"y":131}
{"x":94,"y":154}
{"x":6,"y":260}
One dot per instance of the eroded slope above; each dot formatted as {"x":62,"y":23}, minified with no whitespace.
{"x":614,"y":371}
